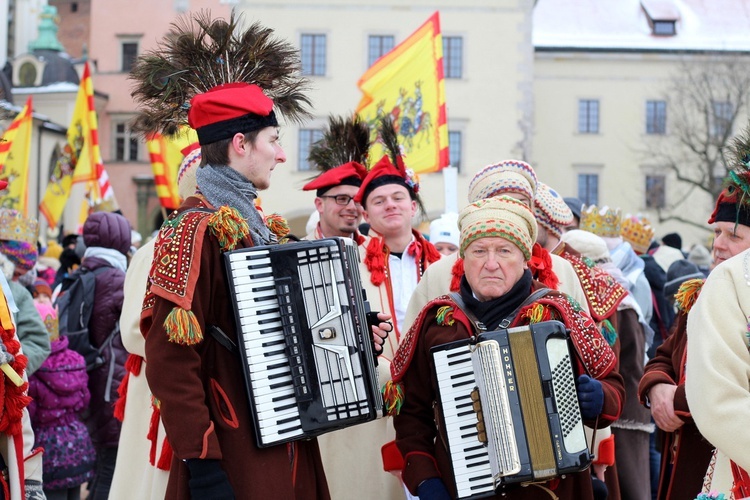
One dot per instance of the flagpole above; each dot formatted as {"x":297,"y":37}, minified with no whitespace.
{"x":450,"y":189}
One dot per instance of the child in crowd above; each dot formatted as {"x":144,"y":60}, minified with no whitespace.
{"x":60,"y":391}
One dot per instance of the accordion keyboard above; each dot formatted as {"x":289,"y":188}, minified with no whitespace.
{"x":300,"y":314}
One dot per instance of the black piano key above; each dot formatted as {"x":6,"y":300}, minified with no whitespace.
{"x":291,"y":429}
{"x":267,"y":311}
{"x":285,"y":407}
{"x":280,"y":385}
{"x":278,"y":365}
{"x":261,"y":276}
{"x":273,"y":353}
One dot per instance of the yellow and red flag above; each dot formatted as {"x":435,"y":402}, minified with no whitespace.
{"x":166,"y":154}
{"x":80,"y":159}
{"x":15,"y":148}
{"x":407,"y":83}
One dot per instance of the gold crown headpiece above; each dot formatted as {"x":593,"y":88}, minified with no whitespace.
{"x":605,"y":222}
{"x":15,"y":227}
{"x":637,"y":231}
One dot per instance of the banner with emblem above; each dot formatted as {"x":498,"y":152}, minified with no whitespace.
{"x":79,"y":160}
{"x":15,"y":148}
{"x":407,"y":83}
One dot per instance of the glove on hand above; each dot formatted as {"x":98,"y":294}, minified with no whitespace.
{"x":590,"y":396}
{"x":433,"y":489}
{"x":208,"y":480}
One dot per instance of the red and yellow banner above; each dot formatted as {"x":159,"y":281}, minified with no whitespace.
{"x":166,"y":154}
{"x":80,"y":160}
{"x":407,"y":84}
{"x":15,"y":148}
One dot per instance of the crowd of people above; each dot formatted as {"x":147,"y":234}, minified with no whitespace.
{"x":153,"y":403}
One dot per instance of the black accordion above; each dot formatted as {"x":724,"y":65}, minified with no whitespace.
{"x":510,"y":408}
{"x":306,"y":346}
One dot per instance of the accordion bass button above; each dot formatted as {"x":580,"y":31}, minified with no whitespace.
{"x":327,"y":333}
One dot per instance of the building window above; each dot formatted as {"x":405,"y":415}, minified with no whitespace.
{"x":454,"y":148}
{"x":129,"y":55}
{"x":588,"y":116}
{"x":453,"y":56}
{"x":656,"y":117}
{"x":126,"y":143}
{"x":665,"y":28}
{"x":655,"y":191}
{"x":74,"y":7}
{"x":588,"y":188}
{"x":378,"y":46}
{"x":721,"y":119}
{"x":307,"y":137}
{"x":313,"y":54}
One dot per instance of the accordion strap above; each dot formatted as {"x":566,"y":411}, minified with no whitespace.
{"x":481,"y":327}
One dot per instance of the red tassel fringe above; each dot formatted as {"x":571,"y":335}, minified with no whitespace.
{"x":541,"y":267}
{"x":122,"y":393}
{"x":165,"y":459}
{"x":375,"y":261}
{"x":134,"y":364}
{"x":457,"y":272}
{"x":153,"y":430}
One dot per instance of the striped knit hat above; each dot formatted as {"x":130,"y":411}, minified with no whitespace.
{"x":509,"y":176}
{"x":186,"y":183}
{"x":550,"y":209}
{"x":504,"y":217}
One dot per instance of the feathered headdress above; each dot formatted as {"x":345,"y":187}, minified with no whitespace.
{"x":200,"y":55}
{"x":341,"y":154}
{"x":733,"y":204}
{"x":390,"y":169}
{"x":346,"y":140}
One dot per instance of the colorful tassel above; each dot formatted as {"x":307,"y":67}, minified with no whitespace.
{"x":535,"y":313}
{"x":278,"y":225}
{"x":393,"y":397}
{"x":182,"y":327}
{"x":444,"y":316}
{"x":608,"y":332}
{"x":457,"y":272}
{"x":688,"y":294}
{"x":228,"y":226}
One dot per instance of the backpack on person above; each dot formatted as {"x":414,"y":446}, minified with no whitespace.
{"x":75,"y":303}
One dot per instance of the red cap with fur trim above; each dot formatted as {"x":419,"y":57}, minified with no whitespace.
{"x":350,"y":174}
{"x":228,"y":109}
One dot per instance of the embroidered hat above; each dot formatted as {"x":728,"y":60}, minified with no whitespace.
{"x":550,"y":209}
{"x":186,"y":183}
{"x":501,"y":216}
{"x":349,"y":174}
{"x":637,"y":231}
{"x":508,"y":176}
{"x":606,"y":222}
{"x":587,"y":244}
{"x":444,"y":229}
{"x":14,"y":226}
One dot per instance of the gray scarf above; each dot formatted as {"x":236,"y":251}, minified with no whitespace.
{"x":224,"y":186}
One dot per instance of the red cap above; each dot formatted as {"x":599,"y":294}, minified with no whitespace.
{"x":394,"y":175}
{"x":228,"y":109}
{"x":336,"y":176}
{"x":3,"y":185}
